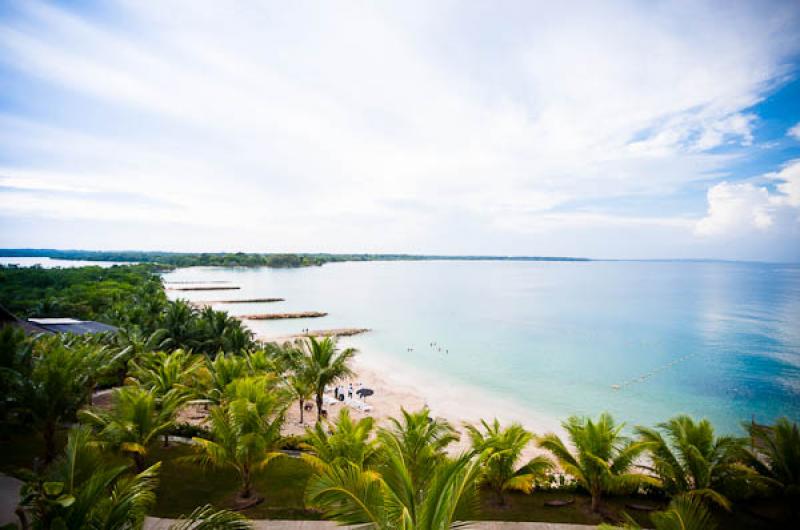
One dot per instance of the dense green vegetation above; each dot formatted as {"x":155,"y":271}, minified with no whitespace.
{"x":116,"y":463}
{"x":243,"y":259}
{"x":89,"y":293}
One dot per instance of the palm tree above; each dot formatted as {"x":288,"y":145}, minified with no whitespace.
{"x":689,"y":458}
{"x":179,"y":322}
{"x":603,"y":458}
{"x":134,"y":421}
{"x":302,"y":388}
{"x":57,"y":387}
{"x":171,"y":377}
{"x":245,"y":431}
{"x":502,"y":449}
{"x":207,"y":518}
{"x":325,"y":365}
{"x":80,"y":490}
{"x":775,"y":455}
{"x":131,"y":343}
{"x":683,"y":513}
{"x":422,"y":440}
{"x":387,"y":496}
{"x":221,"y":372}
{"x":164,"y":372}
{"x":16,"y":361}
{"x":343,"y":441}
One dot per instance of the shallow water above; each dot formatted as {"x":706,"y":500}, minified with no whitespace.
{"x":643,"y":340}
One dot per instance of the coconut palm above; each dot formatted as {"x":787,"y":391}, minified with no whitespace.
{"x":135,"y":420}
{"x":221,"y":372}
{"x":163,"y":372}
{"x":245,"y":431}
{"x":302,"y":388}
{"x":683,"y":513}
{"x":16,"y":361}
{"x":179,"y":325}
{"x":324,"y":365}
{"x":171,"y":377}
{"x":57,"y":387}
{"x":689,"y":458}
{"x":130,"y":343}
{"x":344,"y":440}
{"x":603,"y":458}
{"x":502,"y":449}
{"x":775,"y":455}
{"x":423,"y":442}
{"x":80,"y":490}
{"x":207,"y":518}
{"x":388,"y":497}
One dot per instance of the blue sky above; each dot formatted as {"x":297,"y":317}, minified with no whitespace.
{"x":611,"y":130}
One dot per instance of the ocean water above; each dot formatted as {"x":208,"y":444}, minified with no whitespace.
{"x":642,"y":340}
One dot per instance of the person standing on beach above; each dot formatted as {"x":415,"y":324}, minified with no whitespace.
{"x":350,"y":391}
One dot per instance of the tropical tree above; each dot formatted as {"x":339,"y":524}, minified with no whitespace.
{"x":324,"y":365}
{"x":603,"y":458}
{"x":57,"y":387}
{"x":683,"y":513}
{"x":179,"y":325}
{"x":134,"y":421}
{"x":422,"y":441}
{"x":502,"y":450}
{"x":689,"y":458}
{"x":81,"y":490}
{"x":207,"y":518}
{"x":164,"y":373}
{"x":302,"y":388}
{"x":16,"y":361}
{"x":245,"y":431}
{"x":775,"y":455}
{"x":131,"y":343}
{"x":221,"y":372}
{"x":388,"y":497}
{"x":342,"y":441}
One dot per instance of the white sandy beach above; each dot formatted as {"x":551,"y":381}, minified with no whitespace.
{"x":398,"y":386}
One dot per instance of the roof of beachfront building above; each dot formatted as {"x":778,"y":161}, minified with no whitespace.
{"x":54,"y":325}
{"x":71,"y":325}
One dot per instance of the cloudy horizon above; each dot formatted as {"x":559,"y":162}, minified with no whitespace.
{"x":623,"y":130}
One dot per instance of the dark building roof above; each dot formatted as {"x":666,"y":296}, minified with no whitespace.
{"x":53,"y":325}
{"x":71,"y":325}
{"x":8,"y":318}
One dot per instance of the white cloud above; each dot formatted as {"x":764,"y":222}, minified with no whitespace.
{"x":309,"y":123}
{"x":794,"y":132}
{"x":739,"y":209}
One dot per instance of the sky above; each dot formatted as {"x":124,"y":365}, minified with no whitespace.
{"x":615,"y":129}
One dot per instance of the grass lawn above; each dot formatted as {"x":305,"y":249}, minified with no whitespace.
{"x":184,"y":486}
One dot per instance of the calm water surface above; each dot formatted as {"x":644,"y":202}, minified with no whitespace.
{"x":643,"y":340}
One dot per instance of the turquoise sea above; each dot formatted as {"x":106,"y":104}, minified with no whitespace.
{"x":643,"y":340}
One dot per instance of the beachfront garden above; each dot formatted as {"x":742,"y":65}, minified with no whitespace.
{"x":106,"y":459}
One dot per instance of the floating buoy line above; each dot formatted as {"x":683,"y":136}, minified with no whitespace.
{"x":644,"y":377}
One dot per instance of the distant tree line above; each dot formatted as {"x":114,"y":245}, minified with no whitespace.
{"x":243,"y":259}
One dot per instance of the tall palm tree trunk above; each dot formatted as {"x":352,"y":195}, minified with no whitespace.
{"x":49,"y":434}
{"x":595,"y":500}
{"x":246,"y":483}
{"x":319,"y":406}
{"x":302,"y":403}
